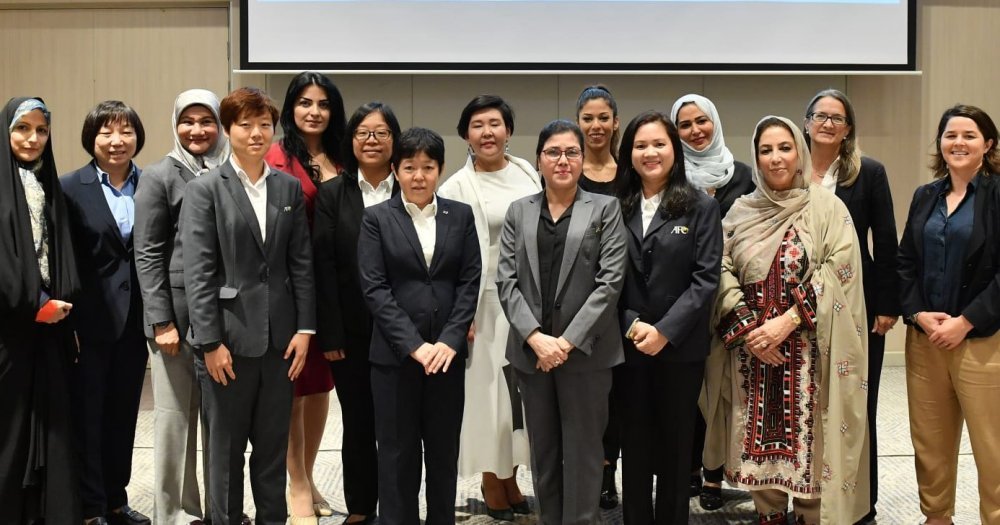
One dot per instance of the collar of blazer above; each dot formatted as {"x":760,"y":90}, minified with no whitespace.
{"x":635,"y":224}
{"x":442,"y":224}
{"x":579,"y":223}
{"x":93,"y":191}
{"x":985,"y":188}
{"x":239,"y":194}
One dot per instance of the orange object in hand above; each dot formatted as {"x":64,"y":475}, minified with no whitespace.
{"x":52,"y":311}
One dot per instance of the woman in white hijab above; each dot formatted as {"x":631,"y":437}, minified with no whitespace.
{"x":710,"y":167}
{"x":792,"y":320}
{"x":199,"y":146}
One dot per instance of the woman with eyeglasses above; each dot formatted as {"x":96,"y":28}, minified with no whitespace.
{"x":861,"y":182}
{"x":561,"y":269}
{"x":313,"y":121}
{"x":949,"y":270}
{"x":345,"y":324}
{"x":493,"y":440}
{"x":675,"y":250}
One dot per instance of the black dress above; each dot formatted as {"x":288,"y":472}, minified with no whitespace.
{"x":37,"y":475}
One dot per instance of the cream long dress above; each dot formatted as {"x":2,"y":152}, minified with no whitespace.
{"x":493,"y":436}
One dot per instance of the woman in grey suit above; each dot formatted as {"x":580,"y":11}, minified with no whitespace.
{"x":562,"y":261}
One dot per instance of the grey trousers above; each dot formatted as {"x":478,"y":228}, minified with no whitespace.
{"x":176,"y":411}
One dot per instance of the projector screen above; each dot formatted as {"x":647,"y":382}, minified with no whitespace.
{"x":578,"y":35}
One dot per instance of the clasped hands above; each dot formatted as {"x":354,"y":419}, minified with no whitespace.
{"x":943,"y":330}
{"x":764,"y":342}
{"x":219,"y":362}
{"x":434,"y":357}
{"x":550,"y":351}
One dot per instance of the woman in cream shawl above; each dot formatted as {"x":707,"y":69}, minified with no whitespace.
{"x":792,"y":318}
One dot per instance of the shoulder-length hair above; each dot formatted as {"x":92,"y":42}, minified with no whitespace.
{"x":678,"y":195}
{"x":111,"y":112}
{"x":848,"y":164}
{"x":350,"y":161}
{"x":991,"y":159}
{"x":293,"y":142}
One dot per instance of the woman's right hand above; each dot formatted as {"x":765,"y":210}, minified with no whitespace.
{"x":167,"y":338}
{"x":547,"y":349}
{"x":53,"y":311}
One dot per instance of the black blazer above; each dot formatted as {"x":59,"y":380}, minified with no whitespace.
{"x":870,"y":204}
{"x":110,"y":286}
{"x":738,"y":186}
{"x":980,"y":295}
{"x":246,"y":292}
{"x":159,"y":258}
{"x":410,"y":303}
{"x":344,"y":321}
{"x":671,"y":278}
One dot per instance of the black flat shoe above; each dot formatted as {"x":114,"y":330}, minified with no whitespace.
{"x":695,"y":485}
{"x":710,"y":498}
{"x":127,"y":516}
{"x":499,"y":514}
{"x":369,"y":519}
{"x":521,"y":508}
{"x":609,"y":491}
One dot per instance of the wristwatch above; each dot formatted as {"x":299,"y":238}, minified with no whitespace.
{"x":913,"y":318}
{"x":795,"y":317}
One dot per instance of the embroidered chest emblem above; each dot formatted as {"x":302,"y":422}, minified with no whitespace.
{"x":680,"y":230}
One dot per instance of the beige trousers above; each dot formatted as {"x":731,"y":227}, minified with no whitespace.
{"x":771,"y":502}
{"x":945,"y":388}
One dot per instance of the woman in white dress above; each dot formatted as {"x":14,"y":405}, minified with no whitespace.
{"x":493,"y":439}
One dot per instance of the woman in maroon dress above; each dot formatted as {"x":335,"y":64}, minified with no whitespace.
{"x":313,"y":121}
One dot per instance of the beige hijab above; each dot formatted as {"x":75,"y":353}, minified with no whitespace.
{"x":757,"y":222}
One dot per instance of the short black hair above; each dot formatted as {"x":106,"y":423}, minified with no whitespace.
{"x":480,"y":103}
{"x":350,"y":161}
{"x":419,"y":140}
{"x":111,"y":112}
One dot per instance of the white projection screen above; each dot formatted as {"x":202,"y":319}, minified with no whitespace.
{"x":578,"y":35}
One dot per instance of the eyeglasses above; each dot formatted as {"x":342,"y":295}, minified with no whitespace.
{"x":361,"y":135}
{"x":821,"y":118}
{"x":555,"y":153}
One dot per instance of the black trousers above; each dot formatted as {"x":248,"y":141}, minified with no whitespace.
{"x":876,"y":355}
{"x":254,"y":407}
{"x":613,"y":433}
{"x":411,"y":408}
{"x":352,"y":377}
{"x":106,"y":389}
{"x":658,"y":402}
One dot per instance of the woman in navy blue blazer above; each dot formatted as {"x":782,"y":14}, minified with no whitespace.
{"x":107,"y":378}
{"x":674,"y":259}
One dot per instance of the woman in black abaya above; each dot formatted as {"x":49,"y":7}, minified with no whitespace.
{"x":38,"y":280}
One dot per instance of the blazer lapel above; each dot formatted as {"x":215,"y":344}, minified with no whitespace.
{"x":91,"y":179}
{"x":635,"y":229}
{"x":272,"y":211}
{"x":978,"y":236}
{"x":442,"y":226}
{"x":405,"y":223}
{"x":921,"y":215}
{"x":847,"y":193}
{"x":239,"y":195}
{"x":578,"y":224}
{"x":530,"y":233}
{"x":655,"y":224}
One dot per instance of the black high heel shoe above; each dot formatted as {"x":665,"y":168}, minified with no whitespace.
{"x":710,"y":498}
{"x":499,"y":514}
{"x":609,"y":492}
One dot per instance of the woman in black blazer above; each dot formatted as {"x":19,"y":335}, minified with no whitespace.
{"x":949,"y":271}
{"x":345,"y":325}
{"x":108,"y":316}
{"x":675,"y":252}
{"x":861,"y":182}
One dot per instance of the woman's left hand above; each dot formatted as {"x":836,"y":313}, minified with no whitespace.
{"x":770,"y":335}
{"x":951,"y":332}
{"x":648,"y":339}
{"x":884,"y":323}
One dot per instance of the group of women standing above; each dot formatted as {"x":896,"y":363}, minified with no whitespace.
{"x":657,"y":300}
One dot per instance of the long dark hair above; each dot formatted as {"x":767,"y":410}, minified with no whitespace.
{"x":601,"y":92}
{"x":333,"y":135}
{"x":679,"y":193}
{"x":350,"y":161}
{"x":991,"y":159}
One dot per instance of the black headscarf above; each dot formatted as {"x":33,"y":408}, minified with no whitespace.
{"x":20,"y":279}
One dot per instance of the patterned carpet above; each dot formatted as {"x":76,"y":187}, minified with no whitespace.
{"x":898,"y":502}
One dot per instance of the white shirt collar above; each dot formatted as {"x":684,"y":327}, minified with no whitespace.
{"x":385,"y":185}
{"x":429,"y":211}
{"x":242,"y":174}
